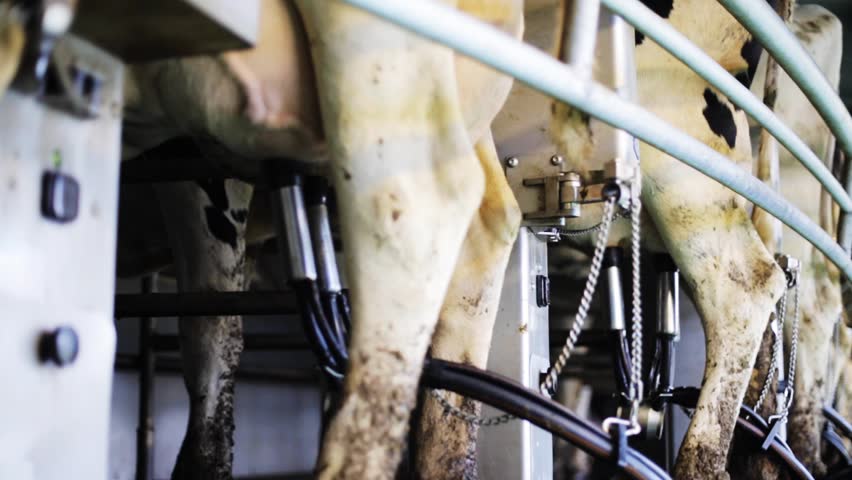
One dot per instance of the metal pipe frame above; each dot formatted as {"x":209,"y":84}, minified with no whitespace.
{"x":543,"y":73}
{"x":124,"y":362}
{"x":661,"y":32}
{"x":583,"y":36}
{"x":761,"y":21}
{"x":133,"y":305}
{"x":147,"y":367}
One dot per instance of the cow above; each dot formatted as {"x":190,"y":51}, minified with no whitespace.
{"x":11,"y":44}
{"x":819,"y":281}
{"x":730,"y":275}
{"x":400,"y":126}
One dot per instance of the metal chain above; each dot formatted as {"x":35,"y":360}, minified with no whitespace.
{"x":586,"y":231}
{"x":636,"y":386}
{"x":553,"y":373}
{"x":777,"y":336}
{"x":549,"y":383}
{"x":794,"y":346}
{"x":468,"y":417}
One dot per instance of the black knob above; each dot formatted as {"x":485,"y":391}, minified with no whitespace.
{"x":59,"y":346}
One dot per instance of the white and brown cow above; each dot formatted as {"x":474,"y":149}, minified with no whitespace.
{"x":406,"y":123}
{"x":731,"y":277}
{"x":820,"y":300}
{"x":427,"y":218}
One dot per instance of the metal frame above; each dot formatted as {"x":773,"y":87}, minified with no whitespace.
{"x":571,"y":84}
{"x":494,"y":48}
{"x":521,"y":330}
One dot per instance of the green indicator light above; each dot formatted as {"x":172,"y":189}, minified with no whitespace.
{"x":57,"y":159}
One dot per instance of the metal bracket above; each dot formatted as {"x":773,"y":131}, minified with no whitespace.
{"x":791,"y":266}
{"x":562,"y":195}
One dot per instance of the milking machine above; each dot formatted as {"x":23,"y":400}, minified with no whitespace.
{"x":557,"y":196}
{"x":60,"y":138}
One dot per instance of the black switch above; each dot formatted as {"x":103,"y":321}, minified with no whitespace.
{"x":542,"y":291}
{"x":59,"y":346}
{"x":60,"y":196}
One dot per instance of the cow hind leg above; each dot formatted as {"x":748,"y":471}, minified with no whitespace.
{"x":206,"y":230}
{"x":820,"y":309}
{"x":408,"y":183}
{"x":446,"y":444}
{"x":731,"y":276}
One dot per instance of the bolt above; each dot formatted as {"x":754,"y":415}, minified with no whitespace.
{"x":512,"y":162}
{"x":59,"y":346}
{"x":556,"y":160}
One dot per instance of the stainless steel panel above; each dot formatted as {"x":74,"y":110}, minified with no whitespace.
{"x":137,"y":31}
{"x":519,"y":350}
{"x":294,"y":234}
{"x":55,"y":419}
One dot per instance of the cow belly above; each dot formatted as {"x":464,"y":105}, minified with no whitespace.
{"x":11,"y":46}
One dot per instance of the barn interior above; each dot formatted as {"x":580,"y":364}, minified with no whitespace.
{"x":95,"y":355}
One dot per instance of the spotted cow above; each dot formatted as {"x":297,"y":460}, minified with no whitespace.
{"x":820,"y":300}
{"x":401,"y":127}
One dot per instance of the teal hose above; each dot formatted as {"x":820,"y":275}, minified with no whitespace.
{"x":661,"y":32}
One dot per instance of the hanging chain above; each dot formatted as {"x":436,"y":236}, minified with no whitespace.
{"x":794,"y":346}
{"x":791,"y":268}
{"x":548,"y":385}
{"x":636,"y":390}
{"x":468,"y":417}
{"x":778,"y":321}
{"x":585,"y":231}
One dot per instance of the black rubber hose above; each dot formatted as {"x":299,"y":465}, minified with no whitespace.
{"x":662,"y":374}
{"x":514,"y":399}
{"x":345,"y":310}
{"x":833,"y":440}
{"x":331,"y":307}
{"x":335,"y":344}
{"x":313,"y":330}
{"x":840,"y":423}
{"x":842,"y":474}
{"x":620,"y":361}
{"x":754,"y":426}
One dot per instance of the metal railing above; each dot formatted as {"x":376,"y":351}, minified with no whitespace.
{"x":565,"y":83}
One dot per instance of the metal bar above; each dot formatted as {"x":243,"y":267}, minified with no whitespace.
{"x":546,"y":74}
{"x":262,"y":342}
{"x":205,"y":303}
{"x":145,"y":421}
{"x":762,"y":21}
{"x":583,"y":36}
{"x":126,"y":362}
{"x":844,"y":228}
{"x":838,"y":421}
{"x":661,"y":32}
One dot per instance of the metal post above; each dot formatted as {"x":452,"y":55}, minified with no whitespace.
{"x":580,"y":45}
{"x":520,"y":351}
{"x":147,"y":365}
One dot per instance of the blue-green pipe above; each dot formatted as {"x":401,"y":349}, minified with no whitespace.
{"x":547,"y":75}
{"x":762,"y":21}
{"x":661,"y":32}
